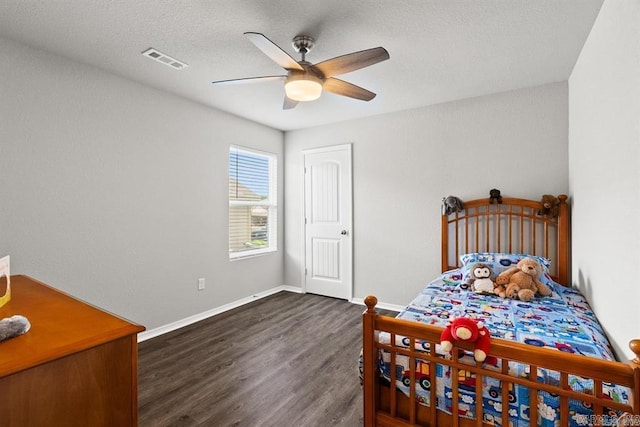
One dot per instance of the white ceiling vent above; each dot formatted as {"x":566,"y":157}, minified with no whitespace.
{"x":164,"y":59}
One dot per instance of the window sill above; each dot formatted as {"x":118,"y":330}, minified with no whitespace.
{"x":236,"y":256}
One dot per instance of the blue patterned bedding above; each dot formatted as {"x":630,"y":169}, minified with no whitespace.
{"x":563,"y":321}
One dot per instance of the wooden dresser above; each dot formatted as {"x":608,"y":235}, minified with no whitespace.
{"x":77,"y":365}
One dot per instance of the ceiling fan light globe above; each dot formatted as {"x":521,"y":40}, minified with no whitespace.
{"x":303,"y":88}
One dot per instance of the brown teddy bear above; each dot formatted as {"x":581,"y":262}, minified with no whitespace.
{"x":550,"y":206}
{"x":494,"y":196}
{"x":522,"y":281}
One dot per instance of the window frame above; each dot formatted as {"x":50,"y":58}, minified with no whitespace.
{"x":271,"y":203}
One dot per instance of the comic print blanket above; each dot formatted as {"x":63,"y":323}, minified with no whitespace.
{"x":563,"y":321}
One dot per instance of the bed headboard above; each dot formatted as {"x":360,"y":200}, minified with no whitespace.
{"x":511,"y":227}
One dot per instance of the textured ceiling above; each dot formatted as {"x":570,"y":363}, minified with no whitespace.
{"x":441,"y":50}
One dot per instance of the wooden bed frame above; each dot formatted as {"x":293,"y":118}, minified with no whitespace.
{"x":511,"y":227}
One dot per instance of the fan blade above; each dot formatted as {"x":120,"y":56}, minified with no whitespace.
{"x":273,"y":51}
{"x":352,"y":61}
{"x":340,"y":87}
{"x":289,"y":103}
{"x":249,"y":80}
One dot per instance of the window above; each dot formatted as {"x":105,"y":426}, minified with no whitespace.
{"x":252,"y":202}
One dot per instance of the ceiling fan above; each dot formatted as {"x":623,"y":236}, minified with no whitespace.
{"x":305,"y":81}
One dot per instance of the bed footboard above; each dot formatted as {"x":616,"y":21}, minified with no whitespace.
{"x":384,"y":405}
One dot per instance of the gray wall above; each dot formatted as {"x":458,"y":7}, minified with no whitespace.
{"x":604,"y":153}
{"x":117,"y":193}
{"x":404,"y":163}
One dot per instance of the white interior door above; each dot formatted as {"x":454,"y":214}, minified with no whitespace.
{"x":328,"y":237}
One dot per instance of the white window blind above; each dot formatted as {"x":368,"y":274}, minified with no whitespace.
{"x":252,"y":202}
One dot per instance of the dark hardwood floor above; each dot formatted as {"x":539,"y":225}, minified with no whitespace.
{"x":285,"y":360}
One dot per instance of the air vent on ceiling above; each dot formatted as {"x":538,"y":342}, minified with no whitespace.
{"x":164,"y":59}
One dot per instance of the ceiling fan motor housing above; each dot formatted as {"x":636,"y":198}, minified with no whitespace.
{"x":303,"y":44}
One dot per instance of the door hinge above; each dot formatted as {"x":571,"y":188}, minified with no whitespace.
{"x":306,"y":272}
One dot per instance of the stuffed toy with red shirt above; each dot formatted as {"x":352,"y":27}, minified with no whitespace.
{"x":465,"y":329}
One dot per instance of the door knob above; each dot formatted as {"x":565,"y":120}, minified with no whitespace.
{"x":344,"y":232}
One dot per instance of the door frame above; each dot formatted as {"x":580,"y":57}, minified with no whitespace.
{"x":326,"y":149}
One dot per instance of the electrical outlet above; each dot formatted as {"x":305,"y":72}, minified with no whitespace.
{"x":201,"y":284}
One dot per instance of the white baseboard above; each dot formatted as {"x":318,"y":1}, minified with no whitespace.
{"x":143,"y":336}
{"x":382,"y":305}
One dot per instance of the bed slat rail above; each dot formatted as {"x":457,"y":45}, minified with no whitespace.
{"x":395,"y":409}
{"x":513,"y":226}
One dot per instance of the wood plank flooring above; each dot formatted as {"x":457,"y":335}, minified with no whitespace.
{"x":285,"y":360}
